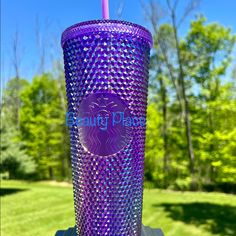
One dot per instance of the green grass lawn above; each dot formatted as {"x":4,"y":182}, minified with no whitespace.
{"x":39,"y":209}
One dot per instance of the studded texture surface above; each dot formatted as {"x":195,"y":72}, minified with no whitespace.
{"x":108,"y":187}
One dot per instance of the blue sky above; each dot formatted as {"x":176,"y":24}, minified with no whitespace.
{"x":54,"y":16}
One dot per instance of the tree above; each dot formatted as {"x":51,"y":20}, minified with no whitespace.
{"x":210,"y":47}
{"x":43,"y":124}
{"x":174,"y":65}
{"x":11,"y":102}
{"x":154,"y":147}
{"x":160,"y":86}
{"x":14,"y":159}
{"x":16,"y":59}
{"x":182,"y":77}
{"x":186,"y":88}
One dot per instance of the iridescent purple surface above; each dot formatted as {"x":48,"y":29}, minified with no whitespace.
{"x":106,"y":68}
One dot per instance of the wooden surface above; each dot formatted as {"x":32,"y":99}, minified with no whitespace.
{"x":146,"y":231}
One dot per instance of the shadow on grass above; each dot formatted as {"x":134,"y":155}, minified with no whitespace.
{"x":8,"y":191}
{"x":215,"y":218}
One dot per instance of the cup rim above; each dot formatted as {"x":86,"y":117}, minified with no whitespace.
{"x":108,"y":26}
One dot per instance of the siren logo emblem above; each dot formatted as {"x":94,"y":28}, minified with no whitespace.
{"x":100,"y":125}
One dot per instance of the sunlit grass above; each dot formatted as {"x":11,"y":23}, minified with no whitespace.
{"x":30,"y":209}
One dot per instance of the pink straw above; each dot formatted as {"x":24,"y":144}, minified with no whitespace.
{"x":105,"y":9}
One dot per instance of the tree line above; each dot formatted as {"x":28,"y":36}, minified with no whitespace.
{"x":192,"y":104}
{"x":191,"y":125}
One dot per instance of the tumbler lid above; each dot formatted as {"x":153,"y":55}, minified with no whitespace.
{"x":108,"y":26}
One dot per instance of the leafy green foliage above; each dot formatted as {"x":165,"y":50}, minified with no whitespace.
{"x":41,"y":142}
{"x":15,"y":163}
{"x":11,"y":99}
{"x":14,"y":160}
{"x":206,"y":53}
{"x":43,"y":126}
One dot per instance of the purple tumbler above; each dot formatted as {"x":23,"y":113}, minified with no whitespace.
{"x":106,"y":69}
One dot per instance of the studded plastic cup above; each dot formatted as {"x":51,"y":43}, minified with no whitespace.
{"x":106,"y":69}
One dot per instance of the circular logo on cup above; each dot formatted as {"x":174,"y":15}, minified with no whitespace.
{"x":100,"y":120}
